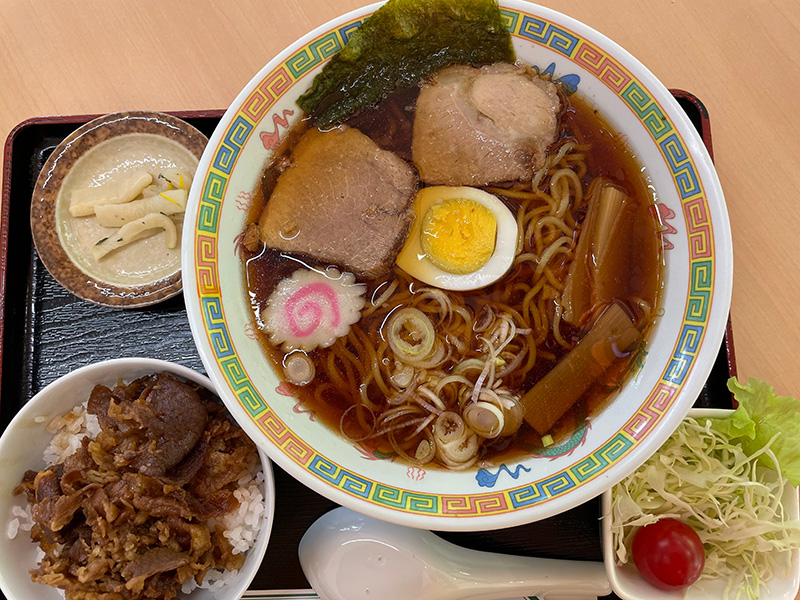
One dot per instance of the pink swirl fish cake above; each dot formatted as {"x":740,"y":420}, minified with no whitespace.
{"x":312,"y":309}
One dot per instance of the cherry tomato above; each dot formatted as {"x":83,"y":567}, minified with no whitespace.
{"x":668,"y":554}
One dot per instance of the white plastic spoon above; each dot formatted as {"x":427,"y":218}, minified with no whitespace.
{"x":348,"y":556}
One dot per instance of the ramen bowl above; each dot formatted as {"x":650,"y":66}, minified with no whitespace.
{"x":681,"y":347}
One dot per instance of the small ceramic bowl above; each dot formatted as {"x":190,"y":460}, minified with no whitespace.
{"x":105,"y":150}
{"x":628,"y":584}
{"x":26,"y":437}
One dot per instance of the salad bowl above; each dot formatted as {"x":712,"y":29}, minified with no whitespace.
{"x":628,"y":583}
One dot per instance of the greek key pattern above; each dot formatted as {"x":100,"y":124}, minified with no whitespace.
{"x":204,"y":259}
{"x":657,"y":403}
{"x":284,"y":438}
{"x":242,"y":387}
{"x":213,"y":192}
{"x":510,"y":20}
{"x":699,"y":228}
{"x":232,"y":144}
{"x":602,"y":458}
{"x":405,"y":500}
{"x":543,"y":490}
{"x":347,"y":30}
{"x":341,"y":478}
{"x":685,"y":353}
{"x":266,"y":94}
{"x":700,"y":291}
{"x":483,"y":504}
{"x":255,"y":112}
{"x":647,"y":110}
{"x":602,"y":67}
{"x":682,"y":167}
{"x":545,"y":33}
{"x":315,"y":53}
{"x":215,"y":327}
{"x":527,"y":496}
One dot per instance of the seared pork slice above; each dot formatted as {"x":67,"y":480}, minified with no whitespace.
{"x":175,"y":418}
{"x":483,"y":126}
{"x":343,"y":201}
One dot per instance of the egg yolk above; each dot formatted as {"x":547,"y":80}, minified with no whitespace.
{"x":458,"y":235}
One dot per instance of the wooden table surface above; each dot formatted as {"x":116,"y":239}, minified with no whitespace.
{"x":740,"y":57}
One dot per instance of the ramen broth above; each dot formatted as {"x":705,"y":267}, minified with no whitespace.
{"x":389,"y":125}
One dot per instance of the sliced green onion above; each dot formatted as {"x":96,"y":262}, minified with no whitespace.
{"x":425,"y":452}
{"x":484,"y":418}
{"x":449,"y":427}
{"x":460,"y":451}
{"x":410,"y":335}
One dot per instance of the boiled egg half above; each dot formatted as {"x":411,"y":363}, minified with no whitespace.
{"x":462,"y":238}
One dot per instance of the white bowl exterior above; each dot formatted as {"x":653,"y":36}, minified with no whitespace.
{"x":682,"y":346}
{"x":24,"y":441}
{"x":628,"y":584}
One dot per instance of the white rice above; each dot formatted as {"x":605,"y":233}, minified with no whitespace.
{"x":69,"y":430}
{"x":241,"y":527}
{"x":21,"y":520}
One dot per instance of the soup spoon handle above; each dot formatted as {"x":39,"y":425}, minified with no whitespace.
{"x":348,"y":556}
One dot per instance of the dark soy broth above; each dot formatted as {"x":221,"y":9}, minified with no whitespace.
{"x":389,"y":125}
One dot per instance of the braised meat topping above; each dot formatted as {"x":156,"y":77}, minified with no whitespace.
{"x":342,"y":201}
{"x":483,"y":126}
{"x":133,"y":513}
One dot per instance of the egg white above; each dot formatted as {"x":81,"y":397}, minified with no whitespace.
{"x":413,"y":260}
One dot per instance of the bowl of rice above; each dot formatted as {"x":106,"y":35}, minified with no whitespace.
{"x":230,"y":519}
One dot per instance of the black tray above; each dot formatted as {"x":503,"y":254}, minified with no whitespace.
{"x":47,"y":332}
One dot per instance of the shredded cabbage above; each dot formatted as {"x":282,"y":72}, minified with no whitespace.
{"x":726,"y":494}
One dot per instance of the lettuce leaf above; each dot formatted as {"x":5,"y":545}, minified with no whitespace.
{"x":736,"y":426}
{"x":762,"y":415}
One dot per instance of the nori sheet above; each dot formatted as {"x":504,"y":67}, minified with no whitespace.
{"x":403,"y":42}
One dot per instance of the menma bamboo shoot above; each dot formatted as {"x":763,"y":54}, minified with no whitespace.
{"x":612,"y":337}
{"x":602,"y":254}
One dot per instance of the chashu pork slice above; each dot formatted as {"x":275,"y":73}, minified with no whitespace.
{"x":342,"y":201}
{"x":482,"y":126}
